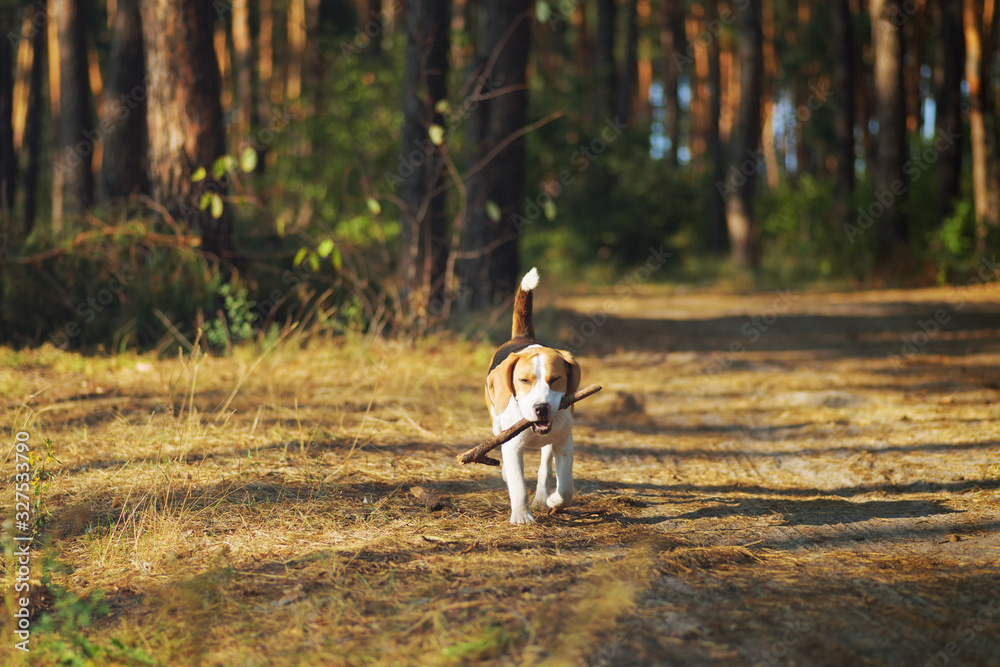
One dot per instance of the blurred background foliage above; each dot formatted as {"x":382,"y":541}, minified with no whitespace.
{"x":317,"y":224}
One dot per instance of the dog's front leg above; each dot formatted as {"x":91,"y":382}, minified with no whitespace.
{"x":544,"y":477}
{"x":563,"y":497}
{"x":513,"y":472}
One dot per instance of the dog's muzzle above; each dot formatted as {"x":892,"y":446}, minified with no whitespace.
{"x":544,"y":423}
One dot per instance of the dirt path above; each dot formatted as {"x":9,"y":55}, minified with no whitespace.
{"x":852,"y":478}
{"x":765,"y":480}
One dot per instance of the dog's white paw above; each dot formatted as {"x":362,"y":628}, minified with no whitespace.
{"x":522,"y":518}
{"x":556,"y":501}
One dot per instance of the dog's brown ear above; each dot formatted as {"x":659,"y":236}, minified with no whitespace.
{"x":572,"y":372}
{"x":500,"y":384}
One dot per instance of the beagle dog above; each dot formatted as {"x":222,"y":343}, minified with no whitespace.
{"x":527,"y":380}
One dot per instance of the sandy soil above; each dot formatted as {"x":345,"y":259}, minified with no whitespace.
{"x":852,"y":448}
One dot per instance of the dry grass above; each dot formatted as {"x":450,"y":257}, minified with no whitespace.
{"x":808,"y":498}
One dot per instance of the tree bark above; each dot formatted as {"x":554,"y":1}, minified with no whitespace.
{"x":674,"y":45}
{"x":8,"y":159}
{"x":863,"y":95}
{"x":264,"y":71}
{"x":717,"y":205}
{"x":32,"y":143}
{"x":75,"y":134}
{"x":743,"y":170}
{"x":698,"y":85}
{"x":423,"y":243}
{"x":978,"y":105}
{"x":490,"y":264}
{"x":843,"y":104}
{"x":244,"y":111}
{"x":296,"y":25}
{"x":124,"y":168}
{"x":604,"y":59}
{"x":184,"y":115}
{"x":770,"y":79}
{"x":803,"y":156}
{"x":916,"y":37}
{"x":890,"y":180}
{"x":948,"y":116}
{"x":375,"y":14}
{"x":584,"y":46}
{"x":313,"y":59}
{"x":630,"y":66}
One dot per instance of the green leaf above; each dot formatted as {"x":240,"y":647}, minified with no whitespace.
{"x":436,"y":134}
{"x":216,"y":206}
{"x":338,"y":261}
{"x":299,"y":256}
{"x":493,"y":211}
{"x":325,"y":248}
{"x":279,"y":225}
{"x":199,"y":175}
{"x":219,"y":168}
{"x":550,"y":209}
{"x":313,"y":262}
{"x":373,"y":206}
{"x":206,"y":199}
{"x":442,"y":106}
{"x":542,"y":11}
{"x":248,"y":159}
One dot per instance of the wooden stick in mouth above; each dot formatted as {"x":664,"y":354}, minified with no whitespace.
{"x":478,"y":453}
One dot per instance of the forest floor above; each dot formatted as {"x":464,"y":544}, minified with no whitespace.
{"x":767,"y":478}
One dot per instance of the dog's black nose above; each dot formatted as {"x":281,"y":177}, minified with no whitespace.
{"x":542,"y":410}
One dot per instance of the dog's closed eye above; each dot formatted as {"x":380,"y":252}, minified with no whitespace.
{"x":524,"y":380}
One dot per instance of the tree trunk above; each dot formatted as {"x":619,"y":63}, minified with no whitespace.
{"x":490,"y":264}
{"x":313,"y":58}
{"x":990,"y":25}
{"x":584,"y":47}
{"x":296,"y":25}
{"x":916,"y":37}
{"x":843,"y":105}
{"x":890,"y":181}
{"x":770,"y":79}
{"x":8,"y":159}
{"x":700,"y":95}
{"x":124,"y":163}
{"x":244,"y":107}
{"x":32,"y":143}
{"x":184,"y":115}
{"x":264,"y":70}
{"x":674,"y":45}
{"x":948,"y":116}
{"x":74,"y":131}
{"x":604,"y":59}
{"x":863,"y":95}
{"x":729,"y":68}
{"x":978,"y":98}
{"x":629,"y":75}
{"x":743,"y":169}
{"x":717,"y":205}
{"x":423,"y":244}
{"x":803,"y":156}
{"x":375,"y":14}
